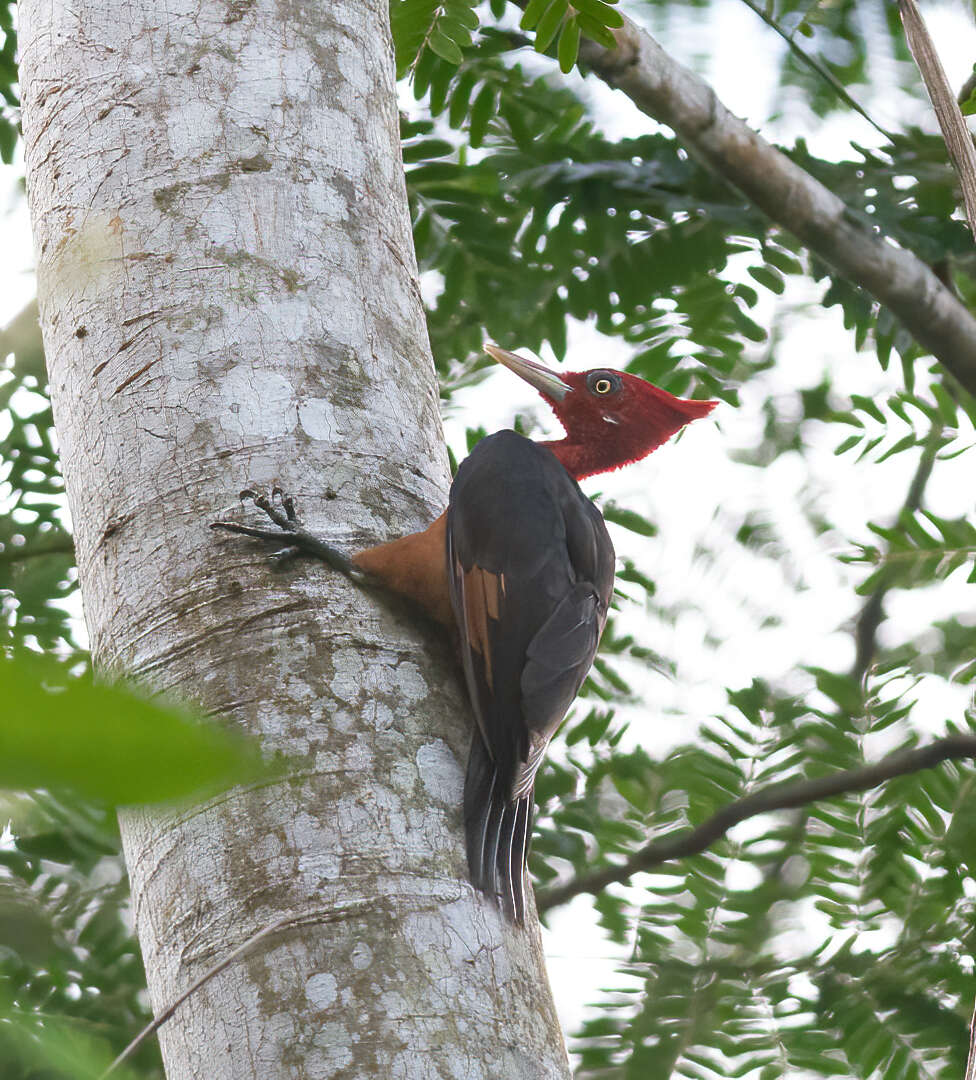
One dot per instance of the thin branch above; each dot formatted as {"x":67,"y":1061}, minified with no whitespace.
{"x":958,"y":141}
{"x":22,"y":338}
{"x":872,"y":613}
{"x":815,"y":65}
{"x":784,"y":796}
{"x":966,"y":90}
{"x":673,"y":95}
{"x":971,"y":1059}
{"x":60,"y":544}
{"x":308,"y":918}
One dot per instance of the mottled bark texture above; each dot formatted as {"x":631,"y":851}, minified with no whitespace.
{"x":228,"y":296}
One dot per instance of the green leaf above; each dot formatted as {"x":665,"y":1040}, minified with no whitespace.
{"x":842,"y":689}
{"x":8,"y":141}
{"x":765,"y":275}
{"x":455,"y":30}
{"x":595,"y":30}
{"x":849,"y":443}
{"x":424,"y":149}
{"x":568,"y":48}
{"x":549,"y":25}
{"x":555,"y":320}
{"x":482,"y":112}
{"x":968,"y":106}
{"x":410,"y":21}
{"x":106,"y":742}
{"x":461,"y":98}
{"x":782,"y":260}
{"x":904,"y":443}
{"x":533,"y":12}
{"x":602,"y":12}
{"x":629,"y":519}
{"x":464,"y":14}
{"x":868,"y":405}
{"x":445,"y":48}
{"x":55,"y":1049}
{"x":946,"y":404}
{"x":632,"y":574}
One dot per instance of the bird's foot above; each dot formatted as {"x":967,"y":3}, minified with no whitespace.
{"x":280,"y":508}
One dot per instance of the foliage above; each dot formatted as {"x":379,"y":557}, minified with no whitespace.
{"x":835,"y":939}
{"x":8,"y":78}
{"x":555,"y":221}
{"x":920,"y":548}
{"x":423,"y":29}
{"x":36,"y":553}
{"x":72,"y":986}
{"x":105,"y":742}
{"x":71,"y":976}
{"x":731,"y":974}
{"x":833,"y":37}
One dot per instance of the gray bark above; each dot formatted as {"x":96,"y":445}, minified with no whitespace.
{"x":228,"y":296}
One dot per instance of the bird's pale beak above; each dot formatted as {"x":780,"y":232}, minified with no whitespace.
{"x":545,"y":381}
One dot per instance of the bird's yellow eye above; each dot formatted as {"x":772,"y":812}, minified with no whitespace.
{"x":602,"y":382}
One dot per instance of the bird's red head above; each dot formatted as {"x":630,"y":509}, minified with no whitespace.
{"x":611,"y":418}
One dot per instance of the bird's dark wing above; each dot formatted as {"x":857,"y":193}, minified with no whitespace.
{"x":530,"y":567}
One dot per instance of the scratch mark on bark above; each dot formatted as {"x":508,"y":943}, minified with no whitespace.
{"x":135,"y":375}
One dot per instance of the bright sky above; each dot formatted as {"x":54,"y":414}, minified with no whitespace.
{"x":694,"y":490}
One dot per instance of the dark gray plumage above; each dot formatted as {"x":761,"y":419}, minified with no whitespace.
{"x":531,"y":569}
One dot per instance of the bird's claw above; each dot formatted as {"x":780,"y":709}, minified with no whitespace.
{"x":286,"y":554}
{"x":287,"y":502}
{"x":280,"y":508}
{"x":285,"y":518}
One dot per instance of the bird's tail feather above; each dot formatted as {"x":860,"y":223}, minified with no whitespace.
{"x":497,"y":831}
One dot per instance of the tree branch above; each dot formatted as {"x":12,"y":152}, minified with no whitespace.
{"x":958,"y":141}
{"x":872,"y":613}
{"x":665,"y":90}
{"x":971,"y":1058}
{"x":815,"y":65}
{"x":784,"y":796}
{"x":287,"y":922}
{"x":59,"y":544}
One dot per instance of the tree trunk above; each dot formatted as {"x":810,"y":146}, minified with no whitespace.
{"x":229,"y":297}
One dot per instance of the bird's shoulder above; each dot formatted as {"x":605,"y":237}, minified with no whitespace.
{"x":509,"y":473}
{"x":512,"y":462}
{"x":515,"y":509}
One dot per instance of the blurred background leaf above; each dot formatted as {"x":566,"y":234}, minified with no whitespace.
{"x":105,"y":742}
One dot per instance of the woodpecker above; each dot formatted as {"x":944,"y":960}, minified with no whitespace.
{"x":521,"y":568}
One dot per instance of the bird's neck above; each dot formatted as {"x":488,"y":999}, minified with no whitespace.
{"x":600,"y":443}
{"x":584,"y":459}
